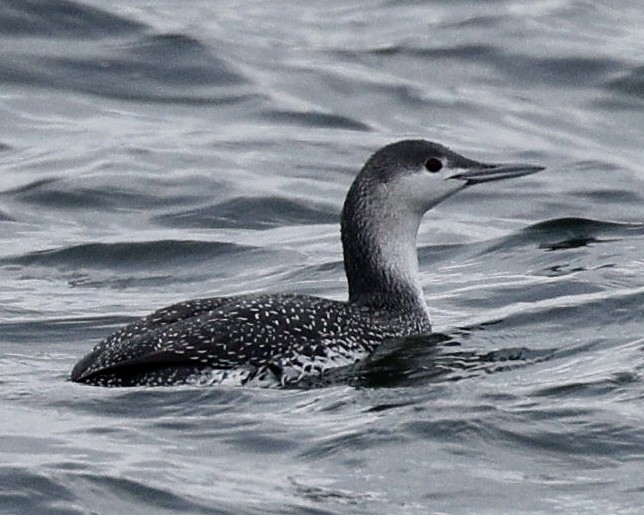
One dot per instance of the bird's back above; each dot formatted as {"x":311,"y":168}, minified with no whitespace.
{"x":266,"y":339}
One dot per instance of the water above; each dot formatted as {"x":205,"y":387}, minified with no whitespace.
{"x":152,"y":152}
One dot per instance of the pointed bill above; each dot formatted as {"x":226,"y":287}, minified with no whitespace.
{"x":488,"y":173}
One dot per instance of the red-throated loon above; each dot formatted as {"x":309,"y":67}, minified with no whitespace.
{"x":279,"y":339}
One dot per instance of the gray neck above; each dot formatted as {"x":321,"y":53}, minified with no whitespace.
{"x":380,"y":258}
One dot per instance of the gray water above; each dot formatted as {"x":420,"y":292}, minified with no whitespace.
{"x":153,"y":152}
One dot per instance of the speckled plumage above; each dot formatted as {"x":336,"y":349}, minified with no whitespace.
{"x":266,"y":340}
{"x":279,"y":339}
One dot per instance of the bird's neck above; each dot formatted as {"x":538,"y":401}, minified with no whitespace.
{"x":380,"y":257}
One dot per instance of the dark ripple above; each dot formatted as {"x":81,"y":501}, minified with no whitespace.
{"x":182,"y":403}
{"x":60,"y":330}
{"x":490,"y":22}
{"x":201,"y":414}
{"x":562,"y":71}
{"x":147,"y":255}
{"x":125,"y":492}
{"x":604,"y":310}
{"x":325,"y":495}
{"x":347,"y":443}
{"x":311,"y":119}
{"x":251,"y":441}
{"x":180,"y":60}
{"x":630,"y":83}
{"x":50,"y":193}
{"x":587,"y":438}
{"x":61,"y":19}
{"x":591,"y":389}
{"x":570,"y":72}
{"x":565,"y":233}
{"x":610,"y":196}
{"x":591,"y":438}
{"x":448,"y":430}
{"x":456,"y":51}
{"x":30,"y":186}
{"x":578,"y":232}
{"x":584,"y":224}
{"x":27,"y":491}
{"x":167,"y":68}
{"x":4,"y":217}
{"x":251,"y":213}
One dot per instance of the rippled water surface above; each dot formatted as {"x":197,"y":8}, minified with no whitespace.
{"x":156,"y":151}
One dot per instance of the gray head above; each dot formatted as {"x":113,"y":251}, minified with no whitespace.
{"x":383,"y":209}
{"x":418,"y":174}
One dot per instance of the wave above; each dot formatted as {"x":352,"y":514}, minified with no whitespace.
{"x":565,"y":233}
{"x":131,"y":255}
{"x":250,"y":213}
{"x":118,"y":59}
{"x":61,"y":19}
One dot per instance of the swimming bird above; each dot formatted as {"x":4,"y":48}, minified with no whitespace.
{"x":280,"y":339}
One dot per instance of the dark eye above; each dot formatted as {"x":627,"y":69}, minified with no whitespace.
{"x":433,"y":165}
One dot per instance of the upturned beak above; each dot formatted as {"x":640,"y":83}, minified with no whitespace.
{"x":488,"y":173}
